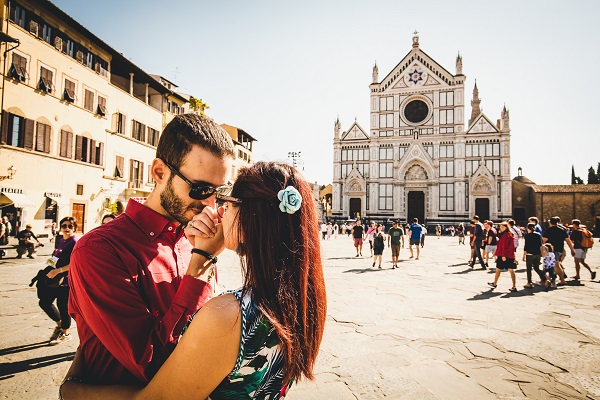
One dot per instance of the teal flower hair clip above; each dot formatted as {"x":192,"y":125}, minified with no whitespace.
{"x":290,"y":200}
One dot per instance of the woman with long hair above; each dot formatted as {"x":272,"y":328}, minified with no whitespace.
{"x":505,"y":255}
{"x":256,"y":341}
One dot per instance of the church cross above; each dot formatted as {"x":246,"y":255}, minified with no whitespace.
{"x":415,"y":32}
{"x":481,"y":124}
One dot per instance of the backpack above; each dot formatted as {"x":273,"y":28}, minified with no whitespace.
{"x":587,"y":239}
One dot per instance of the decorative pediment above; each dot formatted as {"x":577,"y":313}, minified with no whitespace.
{"x":416,"y":155}
{"x":355,"y":186}
{"x":416,"y":69}
{"x":356,"y":132}
{"x":482,"y":125}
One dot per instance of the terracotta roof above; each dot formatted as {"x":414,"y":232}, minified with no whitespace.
{"x":595,"y":188}
{"x":524,"y":179}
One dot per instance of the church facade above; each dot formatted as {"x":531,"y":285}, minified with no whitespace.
{"x":420,"y":157}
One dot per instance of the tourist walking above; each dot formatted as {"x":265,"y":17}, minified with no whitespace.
{"x":423,"y":234}
{"x":582,"y":241}
{"x":378,"y":245}
{"x":336,"y":230}
{"x":532,"y":251}
{"x":491,"y":239}
{"x":461,"y":233}
{"x":477,"y":242}
{"x":323,"y":230}
{"x":557,"y":237}
{"x":415,"y":237}
{"x":329,"y":230}
{"x":407,"y":234}
{"x":549,"y":260}
{"x":55,"y":285}
{"x":438,"y":231}
{"x":505,"y":256}
{"x":371,"y":230}
{"x":358,"y":234}
{"x":395,"y":241}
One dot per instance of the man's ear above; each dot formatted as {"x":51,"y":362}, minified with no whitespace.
{"x":160,"y":171}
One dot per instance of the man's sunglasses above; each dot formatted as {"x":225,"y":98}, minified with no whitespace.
{"x":200,"y":191}
{"x":64,"y":226}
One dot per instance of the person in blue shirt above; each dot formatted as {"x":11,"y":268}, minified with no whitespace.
{"x":536,"y":221}
{"x":415,"y":237}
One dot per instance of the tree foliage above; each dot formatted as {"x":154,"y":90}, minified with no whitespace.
{"x":198,"y":105}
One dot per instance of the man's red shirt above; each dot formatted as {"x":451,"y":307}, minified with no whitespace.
{"x":130,"y":296}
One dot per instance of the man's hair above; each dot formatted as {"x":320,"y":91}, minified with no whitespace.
{"x":476,"y":217}
{"x":415,"y":220}
{"x":187,"y":130}
{"x":511,"y":222}
{"x":576,"y":222}
{"x":535,"y":220}
{"x":531,"y":226}
{"x":554,"y":220}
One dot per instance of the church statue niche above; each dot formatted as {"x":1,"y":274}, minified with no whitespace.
{"x":415,"y":173}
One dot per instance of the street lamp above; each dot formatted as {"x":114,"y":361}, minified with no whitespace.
{"x":11,"y":172}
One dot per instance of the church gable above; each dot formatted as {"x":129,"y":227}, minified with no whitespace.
{"x":417,"y":69}
{"x":356,"y":132}
{"x":482,"y":125}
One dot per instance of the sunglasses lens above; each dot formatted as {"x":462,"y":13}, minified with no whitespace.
{"x":66,"y":226}
{"x":224,"y":190}
{"x":201,"y":192}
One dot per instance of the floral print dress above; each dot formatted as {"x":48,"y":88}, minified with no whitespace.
{"x":258,"y":371}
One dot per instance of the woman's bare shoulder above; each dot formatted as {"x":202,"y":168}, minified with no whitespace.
{"x":221,"y":314}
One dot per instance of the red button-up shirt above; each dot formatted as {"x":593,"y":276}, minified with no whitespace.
{"x":130,"y":296}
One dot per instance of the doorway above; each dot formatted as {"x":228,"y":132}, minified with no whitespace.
{"x":482,"y":208}
{"x":79,"y":215}
{"x":416,"y":206}
{"x":355,"y":205}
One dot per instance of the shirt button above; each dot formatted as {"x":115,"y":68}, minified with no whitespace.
{"x":151,"y":233}
{"x":170,"y":228}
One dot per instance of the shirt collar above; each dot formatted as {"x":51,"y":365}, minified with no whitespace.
{"x":149,"y":221}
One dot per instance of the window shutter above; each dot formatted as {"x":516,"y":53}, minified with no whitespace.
{"x":47,"y":139}
{"x":120,"y":166}
{"x":100,"y":158}
{"x":92,"y":152}
{"x":28,"y":139}
{"x":70,"y":144}
{"x":39,"y":136}
{"x":78,"y":147}
{"x":141,"y":174}
{"x":63,"y":143}
{"x":131,"y":170}
{"x":4,"y":137}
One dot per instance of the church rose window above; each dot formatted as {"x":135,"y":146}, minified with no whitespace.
{"x":416,"y":111}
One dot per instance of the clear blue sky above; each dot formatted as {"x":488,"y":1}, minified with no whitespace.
{"x":283,"y":71}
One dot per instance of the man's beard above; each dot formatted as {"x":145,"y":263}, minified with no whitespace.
{"x":175,"y":207}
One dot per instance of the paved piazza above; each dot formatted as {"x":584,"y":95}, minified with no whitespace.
{"x":429,"y":330}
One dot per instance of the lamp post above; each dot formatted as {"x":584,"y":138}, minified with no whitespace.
{"x":11,"y":172}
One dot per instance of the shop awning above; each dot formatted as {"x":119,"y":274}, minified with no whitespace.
{"x":61,"y":201}
{"x":18,"y":199}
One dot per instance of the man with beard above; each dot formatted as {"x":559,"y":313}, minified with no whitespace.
{"x":131,"y":289}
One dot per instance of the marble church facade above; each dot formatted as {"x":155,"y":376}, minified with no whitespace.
{"x":419,"y":156}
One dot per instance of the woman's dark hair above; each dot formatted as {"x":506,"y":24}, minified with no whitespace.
{"x":282,"y":257}
{"x":113,"y":216}
{"x":531,"y":227}
{"x":68,"y":219}
{"x":187,"y":130}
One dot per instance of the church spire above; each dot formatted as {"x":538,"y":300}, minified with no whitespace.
{"x":337,"y":128}
{"x":459,"y":64}
{"x":505,"y":119}
{"x":475,"y":110}
{"x":415,"y":40}
{"x":375,"y":73}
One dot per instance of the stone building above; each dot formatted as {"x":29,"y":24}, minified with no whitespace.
{"x":80,"y":122}
{"x":420,"y":157}
{"x":546,"y":201}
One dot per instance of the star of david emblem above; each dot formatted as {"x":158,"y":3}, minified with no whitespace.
{"x":415,"y":76}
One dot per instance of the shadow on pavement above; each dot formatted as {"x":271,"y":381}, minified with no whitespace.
{"x":9,"y":369}
{"x":485,"y":295}
{"x":466,"y":271}
{"x":458,"y":265}
{"x":25,"y":347}
{"x":363,"y":270}
{"x":345,"y":258}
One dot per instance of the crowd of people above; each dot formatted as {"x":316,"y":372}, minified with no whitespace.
{"x":491,"y":242}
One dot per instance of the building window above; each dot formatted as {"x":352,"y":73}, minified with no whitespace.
{"x":42,"y":137}
{"x":386,"y":120}
{"x":89,"y":150}
{"x":429,"y":149}
{"x":152,"y":137}
{"x":386,"y":103}
{"x":79,"y":190}
{"x":69,"y":94}
{"x":467,"y":196}
{"x":386,"y":133}
{"x":88,"y":100}
{"x":446,"y":117}
{"x":18,"y":69}
{"x":401,"y":151}
{"x":386,"y":170}
{"x":355,"y":154}
{"x":482,"y":150}
{"x":66,"y":144}
{"x":47,"y":33}
{"x":471,"y":166}
{"x":17,"y":15}
{"x":17,"y":131}
{"x":45,"y":84}
{"x":136,"y":173}
{"x":446,"y":99}
{"x":446,"y":151}
{"x":499,"y":189}
{"x":386,"y":153}
{"x":138,"y":131}
{"x":493,"y":166}
{"x":101,"y":109}
{"x":446,"y":168}
{"x":119,"y":167}
{"x":385,"y":196}
{"x":446,"y":196}
{"x":119,"y":121}
{"x":151,"y":179}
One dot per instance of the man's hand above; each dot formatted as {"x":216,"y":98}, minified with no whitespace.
{"x":205,"y":232}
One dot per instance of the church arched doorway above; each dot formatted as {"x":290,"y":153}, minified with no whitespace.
{"x":355,"y":205}
{"x":482,"y":209}
{"x":416,"y":206}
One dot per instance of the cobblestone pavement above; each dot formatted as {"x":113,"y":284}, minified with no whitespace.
{"x":431,"y":329}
